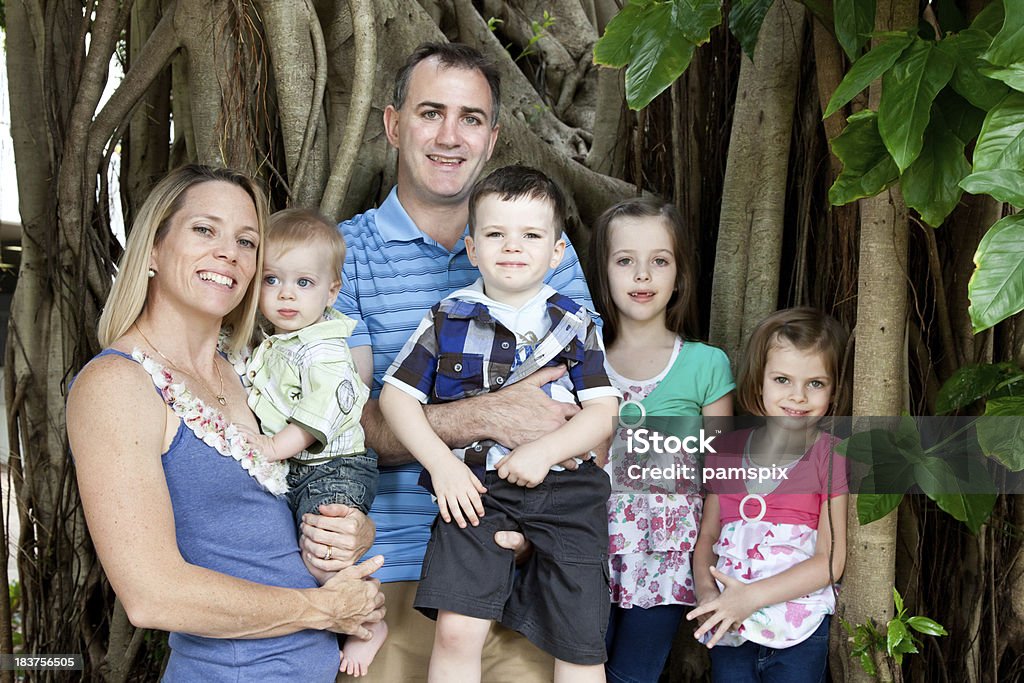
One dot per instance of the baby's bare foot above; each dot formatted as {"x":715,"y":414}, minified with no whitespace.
{"x":357,"y":655}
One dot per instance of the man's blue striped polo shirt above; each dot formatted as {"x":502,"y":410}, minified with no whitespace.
{"x":393,"y":275}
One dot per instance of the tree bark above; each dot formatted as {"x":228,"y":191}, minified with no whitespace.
{"x":149,"y":132}
{"x":878,"y":376}
{"x":298,"y":58}
{"x":745,"y":286}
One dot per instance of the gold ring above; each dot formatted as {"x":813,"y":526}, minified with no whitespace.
{"x":330,"y":551}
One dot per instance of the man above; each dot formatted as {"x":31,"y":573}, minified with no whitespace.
{"x":402,"y":259}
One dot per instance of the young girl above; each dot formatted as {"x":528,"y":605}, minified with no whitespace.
{"x":642,"y":276}
{"x":762,"y":562}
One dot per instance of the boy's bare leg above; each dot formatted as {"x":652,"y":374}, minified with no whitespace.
{"x":578,"y":673}
{"x":458,"y":644}
{"x":356,"y":654}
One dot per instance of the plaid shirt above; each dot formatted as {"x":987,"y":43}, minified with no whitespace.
{"x":307,"y":378}
{"x":461,"y":350}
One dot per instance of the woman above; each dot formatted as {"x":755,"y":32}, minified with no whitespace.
{"x":182,"y":513}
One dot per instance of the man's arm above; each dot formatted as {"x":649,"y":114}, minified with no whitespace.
{"x":518,"y":414}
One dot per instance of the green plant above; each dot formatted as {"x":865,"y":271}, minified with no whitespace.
{"x":14,"y":595}
{"x":942,"y":97}
{"x":896,"y":640}
{"x":537,"y":31}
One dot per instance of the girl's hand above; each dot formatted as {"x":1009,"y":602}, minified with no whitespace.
{"x":525,"y":466}
{"x":458,"y":491}
{"x":731,"y":608}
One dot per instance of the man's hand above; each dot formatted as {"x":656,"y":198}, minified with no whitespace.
{"x":525,"y":466}
{"x":522,"y":413}
{"x":346,"y":531}
{"x":458,"y":492}
{"x":516,"y":542}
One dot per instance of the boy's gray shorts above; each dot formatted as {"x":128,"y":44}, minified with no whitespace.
{"x":559,"y":598}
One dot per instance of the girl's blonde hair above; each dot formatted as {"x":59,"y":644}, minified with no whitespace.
{"x":807,"y":329}
{"x":128,"y":295}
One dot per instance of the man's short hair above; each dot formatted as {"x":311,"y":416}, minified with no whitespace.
{"x":450,"y":56}
{"x":518,"y":182}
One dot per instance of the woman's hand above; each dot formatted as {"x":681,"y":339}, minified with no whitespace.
{"x":729,"y":609}
{"x":354,"y":599}
{"x":346,"y":531}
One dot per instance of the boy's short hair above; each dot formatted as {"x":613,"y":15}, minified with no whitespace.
{"x":518,"y":182}
{"x":291,"y":228}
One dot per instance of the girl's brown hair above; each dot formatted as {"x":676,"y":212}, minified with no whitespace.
{"x":807,"y":329}
{"x":681,"y":314}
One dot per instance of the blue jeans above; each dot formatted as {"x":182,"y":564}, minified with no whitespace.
{"x":639,"y":640}
{"x":348,"y":479}
{"x":802,"y":663}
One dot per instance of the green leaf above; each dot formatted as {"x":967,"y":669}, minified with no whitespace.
{"x":897,"y":633}
{"x":1008,"y":44}
{"x":961,"y":117}
{"x":926,"y":626}
{"x":1011,"y":74}
{"x":931,"y":185}
{"x":657,"y":40}
{"x":990,"y":19}
{"x":1003,"y":184}
{"x":969,"y":79}
{"x":897,"y":600}
{"x":973,"y":509}
{"x":970,"y":383}
{"x":1001,"y":141}
{"x":745,"y":21}
{"x":855,"y":20}
{"x":908,"y":90}
{"x":867,"y":167}
{"x":868,"y":664}
{"x":1008,"y":406}
{"x":866,"y":69}
{"x":872,"y":507}
{"x":694,"y":19}
{"x":615,"y":47}
{"x":996,"y":289}
{"x":1001,"y":432}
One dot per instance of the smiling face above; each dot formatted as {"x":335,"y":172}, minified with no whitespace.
{"x":797,"y":382}
{"x":207,"y":256}
{"x":514,"y":246}
{"x":443,"y":133}
{"x":298,"y":284}
{"x":641,"y":268}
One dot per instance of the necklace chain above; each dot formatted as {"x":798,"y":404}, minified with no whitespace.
{"x":221,"y":398}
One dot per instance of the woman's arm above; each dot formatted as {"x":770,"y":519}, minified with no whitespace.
{"x":739,"y":600}
{"x":128,"y":509}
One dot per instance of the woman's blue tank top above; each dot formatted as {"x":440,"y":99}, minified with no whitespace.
{"x":226,"y":521}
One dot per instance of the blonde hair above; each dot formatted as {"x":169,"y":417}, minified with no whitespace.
{"x":291,"y":228}
{"x":128,"y":295}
